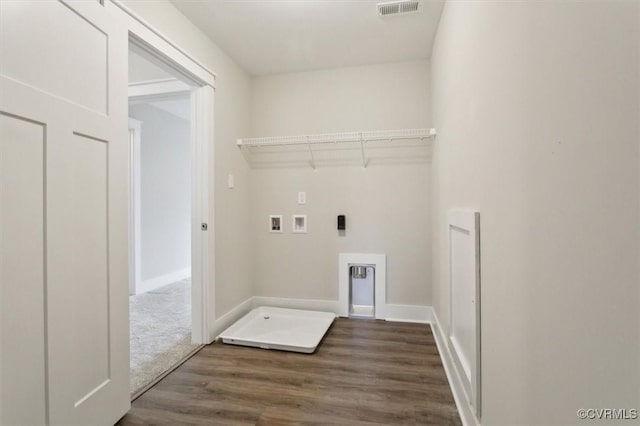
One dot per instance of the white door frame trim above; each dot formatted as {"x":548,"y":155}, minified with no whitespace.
{"x":148,"y":34}
{"x":144,"y":37}
{"x":135,"y":271}
{"x":169,"y":87}
{"x":202,"y":296}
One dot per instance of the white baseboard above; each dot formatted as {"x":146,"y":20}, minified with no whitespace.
{"x":225,"y":321}
{"x":408,"y":313}
{"x":362,"y":310}
{"x":307,"y":304}
{"x":464,"y":408}
{"x":400,"y":313}
{"x":162,"y":280}
{"x":404,"y":313}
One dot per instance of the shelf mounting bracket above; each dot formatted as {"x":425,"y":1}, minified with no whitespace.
{"x":364,"y":162}
{"x":313,"y":160}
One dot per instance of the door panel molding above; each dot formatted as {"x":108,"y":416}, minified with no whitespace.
{"x":464,"y":310}
{"x":68,"y":60}
{"x":23,"y":284}
{"x":85,"y":207}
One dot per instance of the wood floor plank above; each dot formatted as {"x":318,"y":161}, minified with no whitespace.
{"x":365,"y":372}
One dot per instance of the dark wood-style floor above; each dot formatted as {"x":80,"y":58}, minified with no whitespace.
{"x":364,"y":372}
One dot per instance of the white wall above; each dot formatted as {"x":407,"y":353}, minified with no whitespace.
{"x":387,"y":207}
{"x":165,"y":190}
{"x":231,"y":247}
{"x":376,"y":97}
{"x":537,"y":110}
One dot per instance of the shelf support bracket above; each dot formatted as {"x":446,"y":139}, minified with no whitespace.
{"x":364,"y":162}
{"x":313,"y":160}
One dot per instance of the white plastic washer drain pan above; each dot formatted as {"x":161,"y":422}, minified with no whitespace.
{"x":279,"y":328}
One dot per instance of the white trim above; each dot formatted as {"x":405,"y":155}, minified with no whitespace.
{"x":170,"y":86}
{"x":362,"y":311}
{"x":153,"y":38}
{"x":400,"y":313}
{"x":225,"y":321}
{"x":306,"y":304}
{"x":409,"y":313}
{"x":202,"y":136}
{"x":468,"y":365}
{"x":135,"y":238}
{"x":162,"y":280}
{"x":379,"y":261}
{"x":455,"y":383}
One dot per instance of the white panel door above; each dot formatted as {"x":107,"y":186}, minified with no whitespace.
{"x":464,"y":278}
{"x":64,"y":214}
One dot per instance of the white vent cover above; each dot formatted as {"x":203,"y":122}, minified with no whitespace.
{"x":398,"y":7}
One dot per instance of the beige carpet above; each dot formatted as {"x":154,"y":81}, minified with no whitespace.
{"x":160,"y":322}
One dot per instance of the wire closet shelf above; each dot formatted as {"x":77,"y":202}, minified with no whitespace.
{"x":361,"y":138}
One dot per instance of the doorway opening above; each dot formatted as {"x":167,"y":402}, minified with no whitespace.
{"x":166,"y":284}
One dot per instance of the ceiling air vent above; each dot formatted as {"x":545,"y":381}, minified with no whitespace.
{"x":397,"y":7}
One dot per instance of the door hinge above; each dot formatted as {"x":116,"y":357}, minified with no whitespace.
{"x":204,"y":226}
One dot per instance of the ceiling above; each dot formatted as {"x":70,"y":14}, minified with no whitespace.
{"x":278,"y":36}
